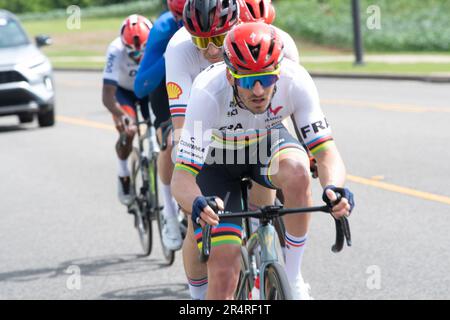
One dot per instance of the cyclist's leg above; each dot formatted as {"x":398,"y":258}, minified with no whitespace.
{"x":224,"y":262}
{"x":260,"y":195}
{"x":287,"y":168}
{"x":165,"y":163}
{"x":196,"y":272}
{"x":126,"y":101}
{"x":124,"y":145}
{"x":160,"y":107}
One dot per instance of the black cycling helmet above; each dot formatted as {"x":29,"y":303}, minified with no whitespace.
{"x":209,"y":18}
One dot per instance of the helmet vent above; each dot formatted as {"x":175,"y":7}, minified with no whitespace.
{"x":270,"y":51}
{"x":224,"y":13}
{"x":250,"y":8}
{"x":137,"y":42}
{"x":238,"y":52}
{"x":254,"y":50}
{"x":261,"y":8}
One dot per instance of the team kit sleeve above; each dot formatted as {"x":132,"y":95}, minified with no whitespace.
{"x":196,"y":136}
{"x":111,"y":71}
{"x":178,"y":80}
{"x":309,"y":118}
{"x":291,"y":51}
{"x":152,"y":69}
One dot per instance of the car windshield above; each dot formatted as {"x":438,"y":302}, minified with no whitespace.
{"x":11,"y":34}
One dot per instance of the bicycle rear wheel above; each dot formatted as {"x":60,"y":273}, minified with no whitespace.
{"x":276,"y":285}
{"x":140,"y":206}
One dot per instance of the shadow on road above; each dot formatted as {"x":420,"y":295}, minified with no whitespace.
{"x":15,"y":128}
{"x":177,"y":291}
{"x":95,"y":266}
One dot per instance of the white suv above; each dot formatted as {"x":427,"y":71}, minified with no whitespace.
{"x":26,"y":81}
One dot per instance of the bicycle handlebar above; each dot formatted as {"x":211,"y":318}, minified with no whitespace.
{"x":268,"y":213}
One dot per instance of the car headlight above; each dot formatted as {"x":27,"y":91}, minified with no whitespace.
{"x":48,"y":83}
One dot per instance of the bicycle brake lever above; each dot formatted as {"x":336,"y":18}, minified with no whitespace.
{"x":339,"y":244}
{"x":346,"y":229}
{"x":206,"y":234}
{"x":206,"y":243}
{"x":342,"y":231}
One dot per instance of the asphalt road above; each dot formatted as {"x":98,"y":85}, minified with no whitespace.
{"x":59,"y":214}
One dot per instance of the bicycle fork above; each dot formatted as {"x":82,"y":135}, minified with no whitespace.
{"x":269,"y":252}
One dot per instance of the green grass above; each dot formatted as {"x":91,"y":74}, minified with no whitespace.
{"x":92,"y":39}
{"x":380,"y":68}
{"x":95,"y":35}
{"x":406,"y":25}
{"x":58,"y":26}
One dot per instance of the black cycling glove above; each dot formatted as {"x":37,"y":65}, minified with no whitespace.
{"x":343,"y":192}
{"x":200,"y":203}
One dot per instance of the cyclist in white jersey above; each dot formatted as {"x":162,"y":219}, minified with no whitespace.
{"x":245,"y":101}
{"x":185,"y":59}
{"x":191,"y":50}
{"x":123,"y":58}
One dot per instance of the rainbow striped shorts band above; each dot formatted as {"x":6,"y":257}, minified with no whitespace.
{"x":224,"y":233}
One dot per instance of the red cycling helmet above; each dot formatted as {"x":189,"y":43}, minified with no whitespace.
{"x":253,"y":47}
{"x":209,"y":18}
{"x":176,"y":7}
{"x":134,"y":33}
{"x":256,"y":10}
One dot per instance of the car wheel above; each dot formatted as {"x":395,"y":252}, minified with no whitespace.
{"x":46,"y":118}
{"x":26,"y":117}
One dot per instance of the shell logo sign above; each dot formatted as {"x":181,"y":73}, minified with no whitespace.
{"x":174,"y":91}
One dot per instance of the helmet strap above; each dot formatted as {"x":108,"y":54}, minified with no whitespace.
{"x":238,"y":101}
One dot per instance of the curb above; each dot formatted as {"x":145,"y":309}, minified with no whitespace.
{"x":399,"y":77}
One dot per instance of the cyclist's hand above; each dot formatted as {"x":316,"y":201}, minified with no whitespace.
{"x":128,"y":125}
{"x":346,"y":204}
{"x":203,"y":214}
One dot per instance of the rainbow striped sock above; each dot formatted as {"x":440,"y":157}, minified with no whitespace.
{"x":198,"y":288}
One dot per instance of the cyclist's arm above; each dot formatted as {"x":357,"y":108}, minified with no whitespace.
{"x":193,"y":147}
{"x":185,"y":189}
{"x":291,"y":51}
{"x":111,"y":81}
{"x":151,"y":71}
{"x":330,"y":166}
{"x":178,"y":82}
{"x":109,"y":99}
{"x":316,"y":131}
{"x":152,"y":68}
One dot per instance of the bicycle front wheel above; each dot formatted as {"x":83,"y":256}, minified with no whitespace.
{"x":139,"y":208}
{"x":276,"y":285}
{"x":245,"y":283}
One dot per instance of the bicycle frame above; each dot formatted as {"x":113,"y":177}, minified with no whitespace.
{"x":266,"y":239}
{"x":146,"y":154}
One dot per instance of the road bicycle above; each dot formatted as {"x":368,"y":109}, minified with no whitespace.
{"x":261,"y":253}
{"x":146,"y":205}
